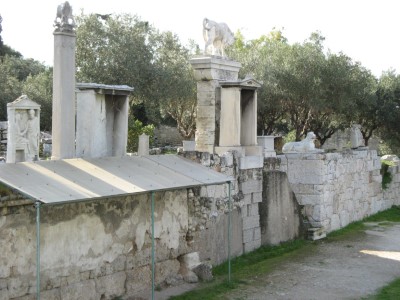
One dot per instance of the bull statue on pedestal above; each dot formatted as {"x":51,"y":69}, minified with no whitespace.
{"x":217,"y":37}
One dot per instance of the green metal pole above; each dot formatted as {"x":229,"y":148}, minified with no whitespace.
{"x":37,"y":205}
{"x":152,"y":246}
{"x":229,"y":232}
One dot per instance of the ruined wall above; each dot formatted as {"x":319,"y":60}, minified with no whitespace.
{"x":102,"y":249}
{"x":392,"y":193}
{"x":336,"y":188}
{"x":280,"y":214}
{"x":246,"y":190}
{"x":166,"y":136}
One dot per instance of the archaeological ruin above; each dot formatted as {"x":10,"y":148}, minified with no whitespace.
{"x":95,"y":223}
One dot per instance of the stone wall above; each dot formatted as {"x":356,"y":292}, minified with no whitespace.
{"x":336,"y":188}
{"x":102,"y":249}
{"x":281,"y":216}
{"x":246,"y":189}
{"x":392,"y":193}
{"x":166,"y":136}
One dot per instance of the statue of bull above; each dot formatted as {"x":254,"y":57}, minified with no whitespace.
{"x":217,"y":36}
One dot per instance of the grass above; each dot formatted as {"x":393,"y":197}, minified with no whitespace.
{"x":383,"y":218}
{"x":389,"y":292}
{"x":245,"y":268}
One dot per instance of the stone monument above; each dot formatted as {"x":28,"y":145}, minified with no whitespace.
{"x":63,"y":121}
{"x":356,"y":137}
{"x":101,"y":119}
{"x":267,"y":144}
{"x":304,"y":146}
{"x":143,"y":148}
{"x":217,"y":36}
{"x":23,"y":130}
{"x":226,"y":106}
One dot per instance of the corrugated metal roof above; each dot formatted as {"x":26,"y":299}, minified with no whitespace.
{"x":78,"y":179}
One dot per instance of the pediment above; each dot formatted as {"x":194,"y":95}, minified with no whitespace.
{"x":23,"y":102}
{"x":248,"y":82}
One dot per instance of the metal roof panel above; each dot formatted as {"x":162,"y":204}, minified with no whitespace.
{"x":80,"y":179}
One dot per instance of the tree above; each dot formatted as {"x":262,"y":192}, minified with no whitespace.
{"x":122,"y":49}
{"x":175,"y":85}
{"x":259,"y":57}
{"x":117,"y":51}
{"x":13,"y":72}
{"x":385,"y":110}
{"x":39,"y":88}
{"x":1,"y":29}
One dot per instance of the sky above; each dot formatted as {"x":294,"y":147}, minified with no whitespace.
{"x":365,"y":30}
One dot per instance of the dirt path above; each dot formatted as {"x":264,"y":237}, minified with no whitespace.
{"x":347,"y":269}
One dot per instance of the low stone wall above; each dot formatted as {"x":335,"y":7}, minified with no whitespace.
{"x":102,"y":249}
{"x":166,"y":136}
{"x":336,"y":188}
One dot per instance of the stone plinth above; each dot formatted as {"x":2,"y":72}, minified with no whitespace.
{"x":209,"y":71}
{"x":143,"y":144}
{"x":215,"y":68}
{"x":267,"y":144}
{"x":102,"y":120}
{"x":63,"y":121}
{"x":23,"y":130}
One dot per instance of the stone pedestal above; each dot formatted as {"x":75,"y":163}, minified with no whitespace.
{"x":209,"y":71}
{"x":267,"y":144}
{"x":23,"y":131}
{"x":102,"y":119}
{"x":63,"y":121}
{"x":143,"y":148}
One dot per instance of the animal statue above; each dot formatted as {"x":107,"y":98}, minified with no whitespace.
{"x":306,"y":145}
{"x":217,"y":37}
{"x":64,"y":15}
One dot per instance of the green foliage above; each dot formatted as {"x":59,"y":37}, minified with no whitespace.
{"x":304,"y":87}
{"x":257,"y":262}
{"x":39,"y":88}
{"x":391,"y":215}
{"x":135,"y":129}
{"x":123,"y":49}
{"x":262,"y":253}
{"x":290,"y":137}
{"x":14,"y":72}
{"x":4,"y":190}
{"x":386,"y":175}
{"x":389,"y":292}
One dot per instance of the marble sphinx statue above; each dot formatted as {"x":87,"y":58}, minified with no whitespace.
{"x":306,"y":145}
{"x":217,"y":37}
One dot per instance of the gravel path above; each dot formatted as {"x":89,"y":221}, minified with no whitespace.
{"x":350,"y":268}
{"x":347,"y":269}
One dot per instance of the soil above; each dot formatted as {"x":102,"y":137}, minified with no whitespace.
{"x":353,"y":267}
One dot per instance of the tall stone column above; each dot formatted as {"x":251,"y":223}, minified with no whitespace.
{"x":209,"y":71}
{"x":63,"y":121}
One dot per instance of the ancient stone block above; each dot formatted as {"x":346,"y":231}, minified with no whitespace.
{"x":256,"y":197}
{"x":138,"y":280}
{"x":80,"y":290}
{"x":111,"y":286}
{"x":53,"y":294}
{"x":204,"y":271}
{"x":251,"y":222}
{"x":4,"y":294}
{"x":248,"y":235}
{"x":18,"y":287}
{"x":251,"y":186}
